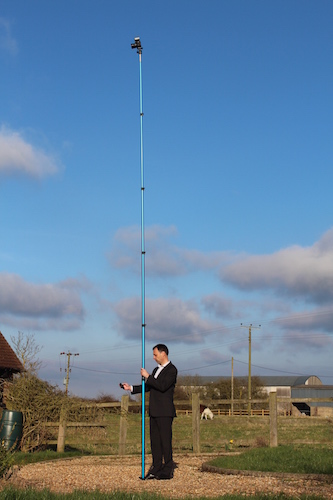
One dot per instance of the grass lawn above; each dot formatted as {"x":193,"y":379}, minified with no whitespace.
{"x":295,"y":459}
{"x":13,"y":494}
{"x":21,"y":458}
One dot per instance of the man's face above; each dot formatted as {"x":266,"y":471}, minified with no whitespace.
{"x":159,"y":357}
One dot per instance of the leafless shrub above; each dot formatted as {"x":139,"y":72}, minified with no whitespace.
{"x":40,"y":402}
{"x":104,"y":398}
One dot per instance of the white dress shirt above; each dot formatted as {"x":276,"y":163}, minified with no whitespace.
{"x":160,"y":368}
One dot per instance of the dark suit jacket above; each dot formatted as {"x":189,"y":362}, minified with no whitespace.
{"x":161,"y":392}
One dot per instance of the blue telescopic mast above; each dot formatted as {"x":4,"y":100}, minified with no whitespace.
{"x":137,"y":45}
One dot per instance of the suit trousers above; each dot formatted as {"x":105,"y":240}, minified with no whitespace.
{"x":161,"y":445}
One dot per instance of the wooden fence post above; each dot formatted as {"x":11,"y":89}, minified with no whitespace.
{"x":62,"y":431}
{"x":123,"y":424}
{"x":273,"y":419}
{"x":196,"y":422}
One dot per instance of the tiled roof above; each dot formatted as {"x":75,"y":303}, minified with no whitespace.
{"x":8,"y":358}
{"x":286,"y":380}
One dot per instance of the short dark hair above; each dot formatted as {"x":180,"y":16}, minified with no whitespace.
{"x":161,"y":348}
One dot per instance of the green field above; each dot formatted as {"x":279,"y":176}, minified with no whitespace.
{"x":215,"y":435}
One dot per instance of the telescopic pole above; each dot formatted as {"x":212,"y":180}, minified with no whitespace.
{"x":137,"y":45}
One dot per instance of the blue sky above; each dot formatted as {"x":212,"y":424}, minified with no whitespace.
{"x":237,"y":100}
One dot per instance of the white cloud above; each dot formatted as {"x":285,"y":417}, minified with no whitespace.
{"x":17,"y":156}
{"x":301,"y":272}
{"x":272,"y":284}
{"x":166,"y":319}
{"x":221,"y":306}
{"x":39,"y":306}
{"x":27,"y":324}
{"x":303,"y":342}
{"x":7,"y":41}
{"x":163,"y":258}
{"x":213,"y":357}
{"x":161,"y":261}
{"x":316,"y":320}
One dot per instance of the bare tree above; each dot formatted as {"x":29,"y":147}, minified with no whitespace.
{"x":27,"y":350}
{"x":186,"y":385}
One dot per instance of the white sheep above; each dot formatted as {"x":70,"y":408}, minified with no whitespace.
{"x":207,"y":413}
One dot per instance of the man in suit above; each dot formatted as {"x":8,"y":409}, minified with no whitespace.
{"x":161,"y":385}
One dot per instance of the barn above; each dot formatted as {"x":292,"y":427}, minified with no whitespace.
{"x":299,"y":387}
{"x":291,"y":387}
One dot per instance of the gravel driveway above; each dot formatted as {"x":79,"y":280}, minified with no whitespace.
{"x":113,"y":473}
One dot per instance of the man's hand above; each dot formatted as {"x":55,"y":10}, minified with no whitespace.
{"x":126,"y":387}
{"x":144,"y":373}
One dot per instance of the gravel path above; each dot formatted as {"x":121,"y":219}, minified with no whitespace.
{"x":108,"y":474}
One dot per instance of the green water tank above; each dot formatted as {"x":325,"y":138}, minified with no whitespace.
{"x":11,"y":429}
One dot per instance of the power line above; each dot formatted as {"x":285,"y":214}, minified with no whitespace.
{"x":202,"y":367}
{"x":278,"y":370}
{"x":105,"y":371}
{"x":205,"y":366}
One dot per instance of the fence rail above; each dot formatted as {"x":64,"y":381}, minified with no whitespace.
{"x":223,"y":407}
{"x":219,"y":412}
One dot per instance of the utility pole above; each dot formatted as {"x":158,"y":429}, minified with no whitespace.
{"x":232,"y":386}
{"x":63,"y":413}
{"x":68,"y":369}
{"x":249,"y":381}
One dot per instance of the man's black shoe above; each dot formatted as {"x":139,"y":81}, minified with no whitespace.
{"x":162,"y":476}
{"x":149,"y":476}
